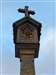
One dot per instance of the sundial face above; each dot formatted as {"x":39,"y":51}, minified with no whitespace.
{"x":27,"y":34}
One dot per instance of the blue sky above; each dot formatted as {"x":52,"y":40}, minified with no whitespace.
{"x":45,"y":13}
{"x":28,"y":0}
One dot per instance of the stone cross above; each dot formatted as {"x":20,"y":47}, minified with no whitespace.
{"x":26,"y":32}
{"x":26,"y":11}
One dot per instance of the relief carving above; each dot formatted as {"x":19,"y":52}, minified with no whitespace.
{"x":27,"y":33}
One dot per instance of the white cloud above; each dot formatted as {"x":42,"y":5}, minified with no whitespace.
{"x":45,"y":64}
{"x":48,"y":37}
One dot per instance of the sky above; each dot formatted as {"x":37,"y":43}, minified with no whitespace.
{"x":45,"y":13}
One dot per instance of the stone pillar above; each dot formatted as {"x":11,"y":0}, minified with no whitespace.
{"x":27,"y":65}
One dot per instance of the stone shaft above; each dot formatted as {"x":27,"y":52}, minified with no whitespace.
{"x":27,"y":65}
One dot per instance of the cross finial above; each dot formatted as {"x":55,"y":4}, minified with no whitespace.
{"x":26,"y":11}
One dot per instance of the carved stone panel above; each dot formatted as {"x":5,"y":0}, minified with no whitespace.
{"x":27,"y":33}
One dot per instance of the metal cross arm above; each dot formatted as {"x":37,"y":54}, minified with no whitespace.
{"x":26,"y":11}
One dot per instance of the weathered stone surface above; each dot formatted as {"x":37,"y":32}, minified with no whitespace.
{"x":27,"y":51}
{"x":26,"y":32}
{"x":27,"y":65}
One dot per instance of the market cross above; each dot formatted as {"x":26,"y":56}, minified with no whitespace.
{"x":26,"y":35}
{"x":26,"y":11}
